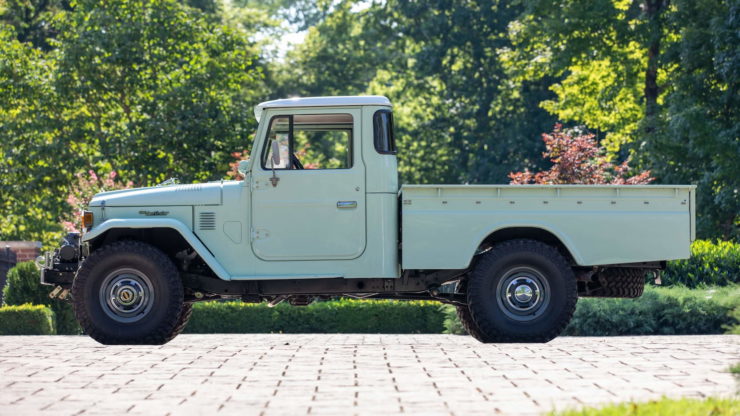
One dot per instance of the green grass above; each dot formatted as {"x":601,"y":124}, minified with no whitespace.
{"x":664,"y":407}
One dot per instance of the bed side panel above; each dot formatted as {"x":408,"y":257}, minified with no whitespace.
{"x":443,"y":226}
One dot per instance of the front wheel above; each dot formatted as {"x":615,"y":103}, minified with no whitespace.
{"x":129,"y":292}
{"x":521,"y":291}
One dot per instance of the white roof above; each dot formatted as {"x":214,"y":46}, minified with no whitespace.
{"x":338,"y":101}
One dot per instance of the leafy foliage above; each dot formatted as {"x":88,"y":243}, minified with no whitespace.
{"x":659,"y":79}
{"x":735,"y":329}
{"x":577,"y":158}
{"x":458,"y":117}
{"x":337,"y":316}
{"x":82,"y":192}
{"x":698,"y":135}
{"x":26,"y":319}
{"x":23,"y":287}
{"x":153,"y":89}
{"x":35,"y":21}
{"x":710,"y":264}
{"x":659,"y":311}
{"x":148,"y":89}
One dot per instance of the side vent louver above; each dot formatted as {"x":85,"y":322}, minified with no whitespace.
{"x":207,"y":221}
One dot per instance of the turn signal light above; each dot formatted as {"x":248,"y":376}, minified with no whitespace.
{"x":87,"y":219}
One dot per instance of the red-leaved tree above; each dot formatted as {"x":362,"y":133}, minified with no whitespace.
{"x":577,"y":158}
{"x":88,"y":184}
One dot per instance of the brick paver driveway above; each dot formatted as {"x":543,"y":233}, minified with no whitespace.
{"x":354,"y":374}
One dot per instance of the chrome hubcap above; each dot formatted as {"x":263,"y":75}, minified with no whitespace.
{"x":522,"y":294}
{"x":126,"y":295}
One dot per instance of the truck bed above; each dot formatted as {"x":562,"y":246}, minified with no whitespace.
{"x":443,"y":225}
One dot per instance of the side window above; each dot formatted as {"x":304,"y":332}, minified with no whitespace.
{"x":280,"y":131}
{"x":311,"y":141}
{"x":385,"y":143}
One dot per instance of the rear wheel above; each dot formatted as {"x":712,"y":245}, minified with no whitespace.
{"x":520,"y":291}
{"x":129,"y":292}
{"x":463,"y":313}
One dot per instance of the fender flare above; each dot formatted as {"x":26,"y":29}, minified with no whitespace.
{"x":179,"y":226}
{"x":538,"y":225}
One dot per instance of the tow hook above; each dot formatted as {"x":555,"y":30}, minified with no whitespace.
{"x":59,"y":293}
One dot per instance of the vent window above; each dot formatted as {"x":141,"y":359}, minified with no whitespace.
{"x":207,"y":221}
{"x":385,"y":143}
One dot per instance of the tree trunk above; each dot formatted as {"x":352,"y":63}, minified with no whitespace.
{"x":653,"y":10}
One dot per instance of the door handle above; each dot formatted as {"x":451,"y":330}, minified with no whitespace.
{"x":346,"y":204}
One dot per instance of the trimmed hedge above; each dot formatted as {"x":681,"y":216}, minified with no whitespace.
{"x":336,"y":316}
{"x":659,"y":311}
{"x":711,"y":264}
{"x":24,"y":286}
{"x":26,"y":320}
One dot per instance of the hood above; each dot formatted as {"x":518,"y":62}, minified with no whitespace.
{"x":197,"y":194}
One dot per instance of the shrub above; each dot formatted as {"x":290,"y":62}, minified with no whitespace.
{"x":577,"y":158}
{"x":23,"y":286}
{"x":659,"y":311}
{"x":26,"y":320}
{"x":735,"y":315}
{"x":711,"y":263}
{"x":336,"y":316}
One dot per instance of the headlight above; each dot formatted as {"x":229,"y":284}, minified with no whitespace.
{"x":87,"y":220}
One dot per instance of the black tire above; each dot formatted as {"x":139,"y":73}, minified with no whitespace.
{"x":520,"y":291}
{"x":619,"y":282}
{"x":128,"y":292}
{"x":182,"y":321}
{"x":463,"y":313}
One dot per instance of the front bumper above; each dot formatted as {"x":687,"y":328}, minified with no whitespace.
{"x":60,"y":266}
{"x":56,"y":277}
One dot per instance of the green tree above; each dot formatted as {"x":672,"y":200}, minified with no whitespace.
{"x":697,"y":139}
{"x":604,"y":55}
{"x":659,"y":78}
{"x":459,"y":117}
{"x":150,"y":89}
{"x":35,"y":21}
{"x":37,"y":160}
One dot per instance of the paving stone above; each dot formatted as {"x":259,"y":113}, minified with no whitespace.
{"x":355,"y":374}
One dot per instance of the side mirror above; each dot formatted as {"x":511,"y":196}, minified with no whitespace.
{"x":275,"y":153}
{"x":243,"y":167}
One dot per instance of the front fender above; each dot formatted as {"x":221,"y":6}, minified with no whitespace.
{"x":174,"y":224}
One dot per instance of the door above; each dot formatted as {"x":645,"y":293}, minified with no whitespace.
{"x":309,"y":204}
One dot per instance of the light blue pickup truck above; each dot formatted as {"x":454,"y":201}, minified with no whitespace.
{"x":320,"y":213}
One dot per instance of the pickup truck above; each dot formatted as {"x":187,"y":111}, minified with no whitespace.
{"x":319,"y":213}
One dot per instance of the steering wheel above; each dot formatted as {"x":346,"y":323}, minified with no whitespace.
{"x":296,"y":163}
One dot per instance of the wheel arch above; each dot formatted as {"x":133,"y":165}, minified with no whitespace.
{"x":536,"y":233}
{"x":169,"y":235}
